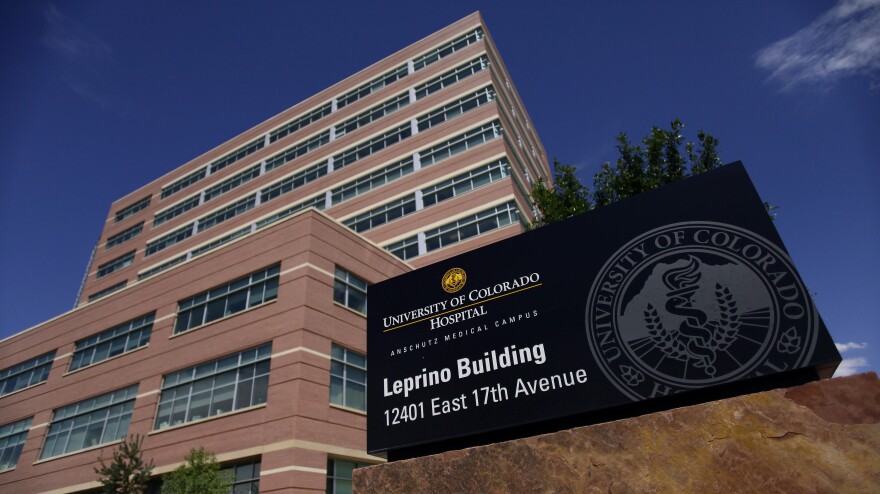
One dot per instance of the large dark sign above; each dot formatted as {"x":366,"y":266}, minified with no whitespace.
{"x":674,"y":290}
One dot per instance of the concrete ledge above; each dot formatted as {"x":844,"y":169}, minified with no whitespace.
{"x":818,"y":437}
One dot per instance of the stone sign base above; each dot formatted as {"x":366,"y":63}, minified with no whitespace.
{"x":818,"y":437}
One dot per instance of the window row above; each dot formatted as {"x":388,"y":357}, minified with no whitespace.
{"x":231,"y":383}
{"x":124,"y":235}
{"x":451,"y":77}
{"x":301,"y":121}
{"x":316,"y":202}
{"x":232,"y":182}
{"x":228,"y":299}
{"x":169,"y":239}
{"x":107,"y":291}
{"x":227,"y":384}
{"x":371,"y":115}
{"x":126,"y":337}
{"x":383,"y":214}
{"x":360,"y":185}
{"x":240,"y":153}
{"x":344,"y":158}
{"x":322,"y":111}
{"x":448,"y":48}
{"x":453,"y":187}
{"x":372,"y":180}
{"x":28,"y":373}
{"x":184,"y":182}
{"x":12,"y":438}
{"x":116,"y":264}
{"x":176,"y":210}
{"x":89,"y":423}
{"x":359,"y":151}
{"x":133,"y":209}
{"x":456,"y":231}
{"x":214,"y":167}
{"x":232,"y":210}
{"x":452,"y":110}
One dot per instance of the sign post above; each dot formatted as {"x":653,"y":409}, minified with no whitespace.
{"x":673,"y":291}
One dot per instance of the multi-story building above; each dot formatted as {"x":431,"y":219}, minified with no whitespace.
{"x":225,"y":303}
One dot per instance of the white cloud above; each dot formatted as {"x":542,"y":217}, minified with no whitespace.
{"x":71,"y":39}
{"x":842,"y":42}
{"x":842,"y":347}
{"x":85,"y":56}
{"x":850,"y":366}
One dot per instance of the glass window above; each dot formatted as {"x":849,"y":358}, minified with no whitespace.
{"x":348,"y":378}
{"x":375,"y":113}
{"x":246,"y":150}
{"x":108,"y":291}
{"x":300,"y":122}
{"x":382,"y":214}
{"x":227,"y":212}
{"x":350,"y":291}
{"x":91,"y":422}
{"x":448,"y":48}
{"x":169,"y":239}
{"x":294,"y":181}
{"x":246,"y":477}
{"x":456,"y":108}
{"x":370,"y":181}
{"x":220,"y":241}
{"x":466,"y":182}
{"x":298,"y":150}
{"x":241,"y":294}
{"x":461,"y":143}
{"x":318,"y":202}
{"x":370,"y":87}
{"x":12,"y":438}
{"x":449,"y":77}
{"x":230,"y":383}
{"x":232,"y":182}
{"x":471,"y":226}
{"x":133,"y":209}
{"x":124,"y":235}
{"x":161,"y":267}
{"x":120,"y":262}
{"x":371,"y":146}
{"x":26,"y":374}
{"x":339,"y":474}
{"x":184,"y":182}
{"x":405,"y":249}
{"x":112,"y":342}
{"x":176,"y":210}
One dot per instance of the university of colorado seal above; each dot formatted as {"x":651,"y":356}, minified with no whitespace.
{"x":694,"y":304}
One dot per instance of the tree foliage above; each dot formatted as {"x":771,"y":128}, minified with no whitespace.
{"x":663,"y":157}
{"x":200,"y":474}
{"x":126,"y":473}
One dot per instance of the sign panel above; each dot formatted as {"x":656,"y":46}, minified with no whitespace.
{"x":677,"y":289}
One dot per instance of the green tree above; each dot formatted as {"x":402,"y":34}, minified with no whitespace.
{"x":663,"y":157}
{"x":566,"y":197}
{"x":126,"y":473}
{"x":200,"y":474}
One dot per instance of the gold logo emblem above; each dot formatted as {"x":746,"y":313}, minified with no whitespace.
{"x":453,"y":280}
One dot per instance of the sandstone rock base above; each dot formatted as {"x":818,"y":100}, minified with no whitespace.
{"x":819,"y":437}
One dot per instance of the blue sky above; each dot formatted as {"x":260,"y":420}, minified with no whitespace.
{"x":100,"y":97}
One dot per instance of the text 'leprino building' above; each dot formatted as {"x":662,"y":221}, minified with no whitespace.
{"x":224,"y":305}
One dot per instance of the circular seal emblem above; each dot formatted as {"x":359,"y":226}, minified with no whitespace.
{"x":695,"y":304}
{"x":453,"y":280}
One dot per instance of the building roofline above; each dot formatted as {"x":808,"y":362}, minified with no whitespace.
{"x":467,"y":21}
{"x":322,"y":216}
